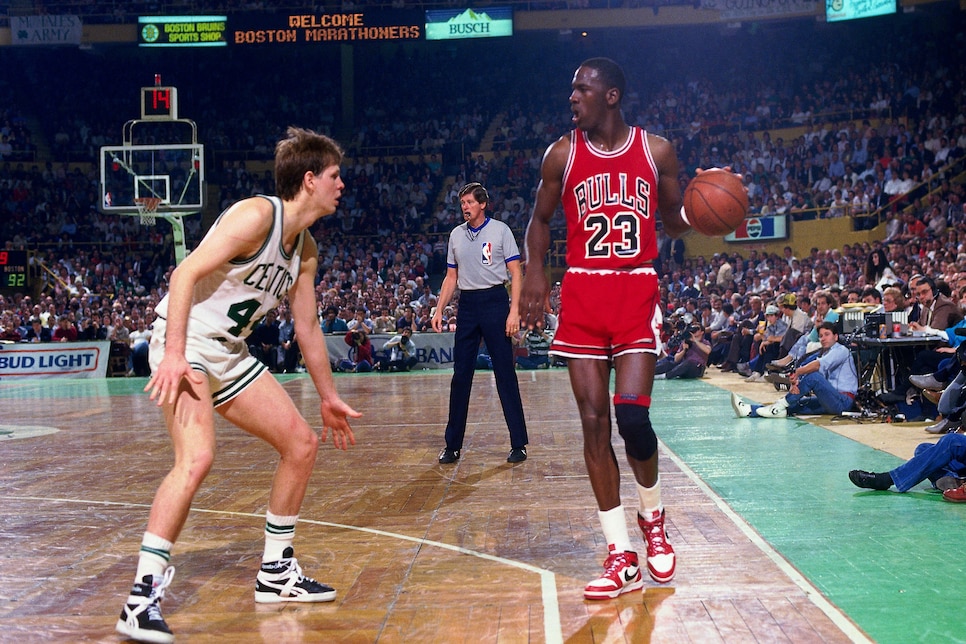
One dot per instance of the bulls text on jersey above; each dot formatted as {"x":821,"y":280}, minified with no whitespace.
{"x":600,"y":190}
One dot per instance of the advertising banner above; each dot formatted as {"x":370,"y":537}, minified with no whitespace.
{"x":761,"y":229}
{"x":448,"y":24}
{"x":45,"y":30}
{"x":433,"y":350}
{"x":54,"y":360}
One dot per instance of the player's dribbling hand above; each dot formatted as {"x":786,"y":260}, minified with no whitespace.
{"x":335,"y":416}
{"x":727,"y":168}
{"x":165,"y":382}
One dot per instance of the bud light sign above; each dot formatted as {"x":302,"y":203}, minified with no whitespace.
{"x":444,"y":24}
{"x":54,"y":359}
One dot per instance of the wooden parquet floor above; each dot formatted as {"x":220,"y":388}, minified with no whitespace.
{"x":480,"y":551}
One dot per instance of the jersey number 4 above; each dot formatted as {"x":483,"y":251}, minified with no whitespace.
{"x":241,"y":314}
{"x":600,"y":226}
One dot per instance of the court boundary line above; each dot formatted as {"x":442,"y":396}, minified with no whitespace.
{"x":552,"y":628}
{"x":814,"y":595}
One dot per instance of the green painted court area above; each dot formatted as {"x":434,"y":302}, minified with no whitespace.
{"x":891,"y":562}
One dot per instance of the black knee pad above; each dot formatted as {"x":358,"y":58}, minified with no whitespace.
{"x":634,"y":426}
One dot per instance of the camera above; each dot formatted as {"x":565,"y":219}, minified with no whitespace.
{"x":683,"y":335}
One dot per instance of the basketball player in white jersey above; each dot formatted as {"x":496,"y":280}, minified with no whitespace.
{"x":257,"y":253}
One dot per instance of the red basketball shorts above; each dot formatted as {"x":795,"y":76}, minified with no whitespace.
{"x":607,"y":313}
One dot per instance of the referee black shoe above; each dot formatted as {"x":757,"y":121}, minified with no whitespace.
{"x":517,"y":455}
{"x":447,"y":456}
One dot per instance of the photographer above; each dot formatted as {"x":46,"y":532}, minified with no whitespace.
{"x":402,"y":350}
{"x":360,"y":351}
{"x":691,"y":357}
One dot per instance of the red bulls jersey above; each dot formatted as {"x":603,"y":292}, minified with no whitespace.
{"x":610,"y":201}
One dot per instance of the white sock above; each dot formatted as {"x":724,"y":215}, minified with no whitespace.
{"x":614,"y":524}
{"x":279,"y":534}
{"x":154,"y":557}
{"x":651,"y":506}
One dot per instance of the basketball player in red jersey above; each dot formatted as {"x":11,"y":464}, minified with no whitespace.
{"x":612,"y":179}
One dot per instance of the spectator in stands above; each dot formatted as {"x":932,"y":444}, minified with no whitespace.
{"x":912,"y":228}
{"x":894,"y":300}
{"x":799,"y":321}
{"x":878,"y":270}
{"x":9,"y":329}
{"x":332,"y":323}
{"x":360,"y":320}
{"x":140,"y":339}
{"x":407,"y":320}
{"x":288,"y":347}
{"x":38,"y":332}
{"x":768,"y":341}
{"x":263,"y":342}
{"x":536,"y":344}
{"x":384,"y":323}
{"x":424,"y":321}
{"x":742,"y":337}
{"x":65,"y":331}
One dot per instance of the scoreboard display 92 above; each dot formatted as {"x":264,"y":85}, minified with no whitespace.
{"x":14,"y":272}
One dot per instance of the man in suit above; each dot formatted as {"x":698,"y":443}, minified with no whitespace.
{"x":936,"y":310}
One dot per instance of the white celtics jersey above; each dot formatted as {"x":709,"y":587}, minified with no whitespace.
{"x":229,"y":303}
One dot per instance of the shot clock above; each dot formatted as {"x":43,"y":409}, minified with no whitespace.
{"x":159,"y":103}
{"x":13,"y":272}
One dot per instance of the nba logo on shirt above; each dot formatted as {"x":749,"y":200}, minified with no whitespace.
{"x":487,"y":253}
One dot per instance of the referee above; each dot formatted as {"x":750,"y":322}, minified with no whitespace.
{"x":481,"y":254}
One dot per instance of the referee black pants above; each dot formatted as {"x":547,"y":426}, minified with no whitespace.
{"x":482,"y":315}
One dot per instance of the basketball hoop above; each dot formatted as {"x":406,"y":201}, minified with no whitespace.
{"x":148,"y":209}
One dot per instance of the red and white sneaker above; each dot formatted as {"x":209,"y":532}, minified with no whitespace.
{"x":660,"y":554}
{"x":622,"y":574}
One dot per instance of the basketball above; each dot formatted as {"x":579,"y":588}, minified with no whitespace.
{"x":715,"y":202}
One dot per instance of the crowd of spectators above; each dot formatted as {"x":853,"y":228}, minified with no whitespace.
{"x":863,"y":141}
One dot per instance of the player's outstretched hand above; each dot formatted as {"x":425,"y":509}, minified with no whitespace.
{"x":166,"y":380}
{"x":335,"y":416}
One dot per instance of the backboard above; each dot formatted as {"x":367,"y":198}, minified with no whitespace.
{"x":173,"y":173}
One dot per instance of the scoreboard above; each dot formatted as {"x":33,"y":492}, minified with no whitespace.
{"x":14,"y":272}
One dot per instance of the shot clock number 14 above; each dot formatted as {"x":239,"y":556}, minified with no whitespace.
{"x":159,"y":103}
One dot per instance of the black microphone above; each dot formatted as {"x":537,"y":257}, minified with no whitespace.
{"x":960,"y":331}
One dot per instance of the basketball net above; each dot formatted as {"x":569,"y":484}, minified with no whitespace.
{"x":148,"y":209}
